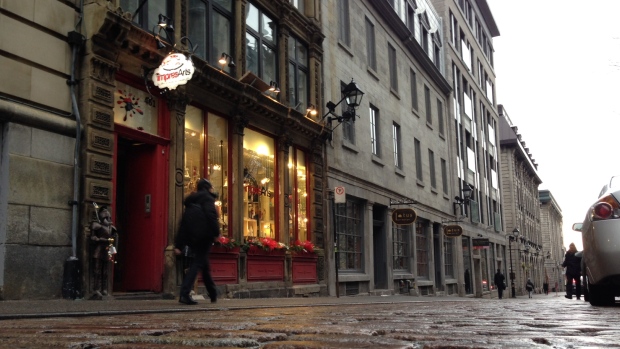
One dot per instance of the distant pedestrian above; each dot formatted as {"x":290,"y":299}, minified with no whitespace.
{"x":572,"y":263}
{"x":546,"y":285}
{"x":529,"y":286}
{"x":499,"y":283}
{"x":198,"y":229}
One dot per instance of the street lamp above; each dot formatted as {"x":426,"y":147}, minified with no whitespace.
{"x":353,"y":97}
{"x":463,"y":201}
{"x":514,"y":236}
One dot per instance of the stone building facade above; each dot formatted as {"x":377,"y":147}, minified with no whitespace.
{"x":551,"y":220}
{"x":520,"y":183}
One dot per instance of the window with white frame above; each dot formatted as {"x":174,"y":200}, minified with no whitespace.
{"x":374,"y":132}
{"x":418,"y":159}
{"x":396,"y":145}
{"x":261,"y":51}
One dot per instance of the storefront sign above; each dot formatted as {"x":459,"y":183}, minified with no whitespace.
{"x":480,"y":243}
{"x":404,"y":216}
{"x":176,"y":69}
{"x":452,"y":231}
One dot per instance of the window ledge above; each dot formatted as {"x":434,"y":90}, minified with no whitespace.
{"x":350,"y":146}
{"x":395,"y":93}
{"x":419,"y":183}
{"x":434,"y":190}
{"x":345,"y":47}
{"x":415,"y":113}
{"x":400,"y":172}
{"x":373,"y":73}
{"x":429,"y":125}
{"x":377,"y":160}
{"x":442,"y":136}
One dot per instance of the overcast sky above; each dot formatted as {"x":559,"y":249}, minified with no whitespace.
{"x":558,"y":71}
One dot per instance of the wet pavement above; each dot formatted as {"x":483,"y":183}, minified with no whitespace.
{"x":347,"y":322}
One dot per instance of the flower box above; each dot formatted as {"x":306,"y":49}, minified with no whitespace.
{"x":224,"y":263}
{"x":265,"y":265}
{"x":304,"y":267}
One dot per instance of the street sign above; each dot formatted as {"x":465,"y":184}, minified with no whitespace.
{"x":453,"y":231}
{"x":480,"y":243}
{"x":339,"y":195}
{"x":404,"y":216}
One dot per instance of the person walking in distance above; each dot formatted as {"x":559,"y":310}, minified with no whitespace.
{"x":198,"y":229}
{"x":499,"y":283}
{"x":529,"y":286}
{"x":572,"y":263}
{"x":546,"y":285}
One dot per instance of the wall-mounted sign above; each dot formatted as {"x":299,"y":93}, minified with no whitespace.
{"x":339,"y":195}
{"x":176,"y":69}
{"x":452,"y":231}
{"x":480,"y":243}
{"x":404,"y":216}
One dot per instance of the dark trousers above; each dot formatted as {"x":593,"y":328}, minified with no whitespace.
{"x":200,"y":262}
{"x":569,"y":285}
{"x":500,"y":291}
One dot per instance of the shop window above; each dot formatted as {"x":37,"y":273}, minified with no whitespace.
{"x":258,"y":185}
{"x":298,"y":191}
{"x":349,"y":235}
{"x":211,"y":29}
{"x":213,"y":166}
{"x":400,"y":238}
{"x":422,"y":249}
{"x":135,"y":109}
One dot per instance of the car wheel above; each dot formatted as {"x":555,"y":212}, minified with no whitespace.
{"x":600,"y":295}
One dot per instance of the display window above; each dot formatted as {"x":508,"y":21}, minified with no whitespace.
{"x":259,"y":183}
{"x":298,"y":189}
{"x":206,"y":156}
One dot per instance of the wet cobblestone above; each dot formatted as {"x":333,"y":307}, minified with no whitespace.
{"x":412,"y":322}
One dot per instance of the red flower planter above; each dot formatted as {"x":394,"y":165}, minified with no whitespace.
{"x":304,"y":268}
{"x":265,"y":265}
{"x":224,"y":263}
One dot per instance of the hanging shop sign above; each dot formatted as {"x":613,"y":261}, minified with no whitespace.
{"x":404,"y":216}
{"x":452,"y":231}
{"x":480,"y":243}
{"x":176,"y":69}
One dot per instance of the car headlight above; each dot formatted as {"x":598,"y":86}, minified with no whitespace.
{"x":606,"y":207}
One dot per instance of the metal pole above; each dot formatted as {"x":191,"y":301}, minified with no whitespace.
{"x":512,"y":273}
{"x":335,"y":245}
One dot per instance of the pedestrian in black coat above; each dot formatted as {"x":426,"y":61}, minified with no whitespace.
{"x":198,"y":229}
{"x":499,"y":283}
{"x":529,"y":287}
{"x":572,"y":263}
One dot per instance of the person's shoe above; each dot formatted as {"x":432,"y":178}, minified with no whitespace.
{"x":567,"y":296}
{"x":578,"y":298}
{"x":213,"y":299}
{"x":187,"y":300}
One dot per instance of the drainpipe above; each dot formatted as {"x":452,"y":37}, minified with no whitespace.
{"x":71,"y":277}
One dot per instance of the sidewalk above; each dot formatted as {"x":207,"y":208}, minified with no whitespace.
{"x":81,"y":307}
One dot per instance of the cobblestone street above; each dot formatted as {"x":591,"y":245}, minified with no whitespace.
{"x":405,"y":322}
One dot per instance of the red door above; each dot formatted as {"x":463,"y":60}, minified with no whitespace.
{"x":141,"y":206}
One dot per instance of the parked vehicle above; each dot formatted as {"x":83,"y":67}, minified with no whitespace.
{"x":600,"y":233}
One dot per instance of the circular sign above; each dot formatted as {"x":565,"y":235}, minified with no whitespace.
{"x":339,"y":190}
{"x":453,"y":230}
{"x":404,"y":216}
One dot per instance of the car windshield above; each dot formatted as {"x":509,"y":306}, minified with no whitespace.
{"x":614,"y":183}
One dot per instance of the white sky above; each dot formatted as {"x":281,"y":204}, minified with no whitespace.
{"x":558,"y":68}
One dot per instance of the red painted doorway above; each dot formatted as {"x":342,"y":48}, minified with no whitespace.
{"x":141,"y":206}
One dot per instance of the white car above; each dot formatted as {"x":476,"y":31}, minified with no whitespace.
{"x":600,"y":231}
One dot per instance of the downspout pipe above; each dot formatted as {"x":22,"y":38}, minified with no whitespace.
{"x":71,"y":278}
